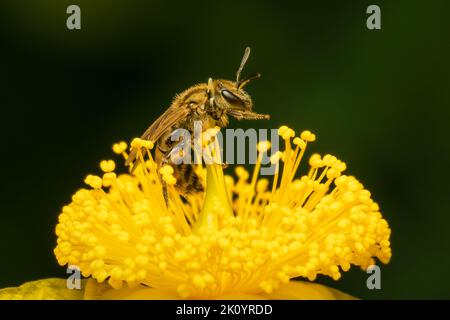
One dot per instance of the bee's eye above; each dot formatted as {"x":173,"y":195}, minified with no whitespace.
{"x":231,"y":98}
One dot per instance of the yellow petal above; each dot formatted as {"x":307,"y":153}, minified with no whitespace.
{"x":242,"y":296}
{"x":300,"y":290}
{"x":46,"y":289}
{"x":102,"y":291}
{"x":294,"y":290}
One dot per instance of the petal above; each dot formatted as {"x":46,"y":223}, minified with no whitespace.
{"x":301,"y":290}
{"x":46,"y":289}
{"x":102,"y":291}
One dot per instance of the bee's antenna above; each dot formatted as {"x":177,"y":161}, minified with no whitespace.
{"x":209,"y":90}
{"x":244,"y":81}
{"x":210,"y":86}
{"x":243,"y":62}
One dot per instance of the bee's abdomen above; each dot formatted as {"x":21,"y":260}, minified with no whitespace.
{"x":187,"y":180}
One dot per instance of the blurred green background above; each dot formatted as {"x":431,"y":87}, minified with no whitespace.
{"x":379,"y":100}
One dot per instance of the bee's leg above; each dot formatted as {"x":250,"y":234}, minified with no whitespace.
{"x":165,"y":161}
{"x":248,"y":115}
{"x":165,"y":194}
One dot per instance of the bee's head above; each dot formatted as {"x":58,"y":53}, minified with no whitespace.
{"x":230,"y":95}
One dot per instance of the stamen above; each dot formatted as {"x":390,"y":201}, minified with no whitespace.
{"x":239,"y":236}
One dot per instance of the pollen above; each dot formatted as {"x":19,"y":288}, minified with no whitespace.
{"x":243,"y":235}
{"x":107,"y":165}
{"x":139,"y":143}
{"x":119,"y":147}
{"x":93,"y":181}
{"x":263,"y":146}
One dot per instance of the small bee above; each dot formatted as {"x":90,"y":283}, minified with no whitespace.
{"x":211,"y":103}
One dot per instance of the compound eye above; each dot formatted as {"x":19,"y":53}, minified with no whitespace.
{"x":231,"y":98}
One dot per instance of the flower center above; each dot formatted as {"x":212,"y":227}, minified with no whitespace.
{"x":244,"y":235}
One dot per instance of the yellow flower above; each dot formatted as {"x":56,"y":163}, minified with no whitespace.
{"x":244,"y":237}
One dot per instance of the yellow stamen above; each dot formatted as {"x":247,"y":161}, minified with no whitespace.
{"x":240,"y":236}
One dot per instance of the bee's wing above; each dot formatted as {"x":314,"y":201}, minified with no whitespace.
{"x":170,"y":117}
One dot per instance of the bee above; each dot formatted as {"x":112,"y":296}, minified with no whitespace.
{"x":211,"y":103}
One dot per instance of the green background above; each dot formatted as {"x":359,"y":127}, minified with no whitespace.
{"x":379,"y":100}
